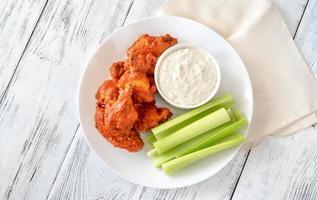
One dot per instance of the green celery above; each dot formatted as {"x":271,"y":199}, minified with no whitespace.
{"x":159,"y":159}
{"x":231,"y":115}
{"x":188,"y":159}
{"x":202,"y":141}
{"x":192,"y":130}
{"x":150,"y":139}
{"x":215,"y":137}
{"x":152,"y":154}
{"x":183,"y":120}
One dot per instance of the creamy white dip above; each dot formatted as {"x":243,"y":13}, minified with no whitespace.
{"x":187,"y":76}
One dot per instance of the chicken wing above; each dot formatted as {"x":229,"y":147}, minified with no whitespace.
{"x":142,"y":63}
{"x":125,"y":104}
{"x":107,"y":93}
{"x":122,"y":114}
{"x":142,"y":55}
{"x":146,"y":44}
{"x":143,"y":91}
{"x":150,"y":116}
{"x":117,"y":69}
{"x":129,"y":140}
{"x":116,"y":123}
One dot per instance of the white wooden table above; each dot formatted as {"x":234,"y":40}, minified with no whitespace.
{"x":43,"y":47}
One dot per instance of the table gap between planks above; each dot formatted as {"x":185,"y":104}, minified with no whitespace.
{"x":43,"y":47}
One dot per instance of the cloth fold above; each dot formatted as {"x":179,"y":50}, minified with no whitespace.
{"x":284,"y":89}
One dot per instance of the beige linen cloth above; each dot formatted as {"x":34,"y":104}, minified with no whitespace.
{"x":285,"y":91}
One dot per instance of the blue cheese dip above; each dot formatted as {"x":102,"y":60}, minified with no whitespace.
{"x":187,"y":77}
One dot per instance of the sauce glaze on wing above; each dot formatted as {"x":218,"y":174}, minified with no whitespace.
{"x":143,"y":54}
{"x":122,"y":114}
{"x":150,"y":44}
{"x":129,"y":140}
{"x":142,"y":63}
{"x":126,"y":104}
{"x":107,"y":93}
{"x":150,"y":116}
{"x":115,"y":122}
{"x":143,"y":91}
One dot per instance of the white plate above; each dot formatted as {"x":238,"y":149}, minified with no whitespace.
{"x":137,"y":167}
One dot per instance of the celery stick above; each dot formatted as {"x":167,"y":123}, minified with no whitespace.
{"x":153,"y":153}
{"x":159,"y":159}
{"x":192,"y":130}
{"x":215,"y":137}
{"x":237,"y":113}
{"x":202,"y":141}
{"x":181,"y":121}
{"x":150,"y":139}
{"x":188,"y":159}
{"x":231,"y":115}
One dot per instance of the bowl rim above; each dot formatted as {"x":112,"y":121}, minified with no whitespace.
{"x":175,"y":48}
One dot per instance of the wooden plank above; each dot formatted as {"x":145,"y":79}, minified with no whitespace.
{"x":18,"y":18}
{"x":306,"y":36}
{"x":82,"y":171}
{"x":142,"y":9}
{"x":281,"y":168}
{"x":90,"y":180}
{"x":285,"y":168}
{"x":84,"y":176}
{"x":48,"y":128}
{"x":38,"y":119}
{"x":291,"y":11}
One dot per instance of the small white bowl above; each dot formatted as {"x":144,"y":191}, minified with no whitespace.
{"x":174,"y":48}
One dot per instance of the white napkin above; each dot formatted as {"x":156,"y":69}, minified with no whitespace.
{"x":285,"y":91}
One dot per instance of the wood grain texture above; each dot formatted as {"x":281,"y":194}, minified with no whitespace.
{"x":142,"y":9}
{"x":38,"y":115}
{"x":291,"y":11}
{"x":18,"y":19}
{"x":285,"y":168}
{"x":306,"y":36}
{"x":281,"y":168}
{"x":91,"y":181}
{"x":38,"y":118}
{"x":84,"y":176}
